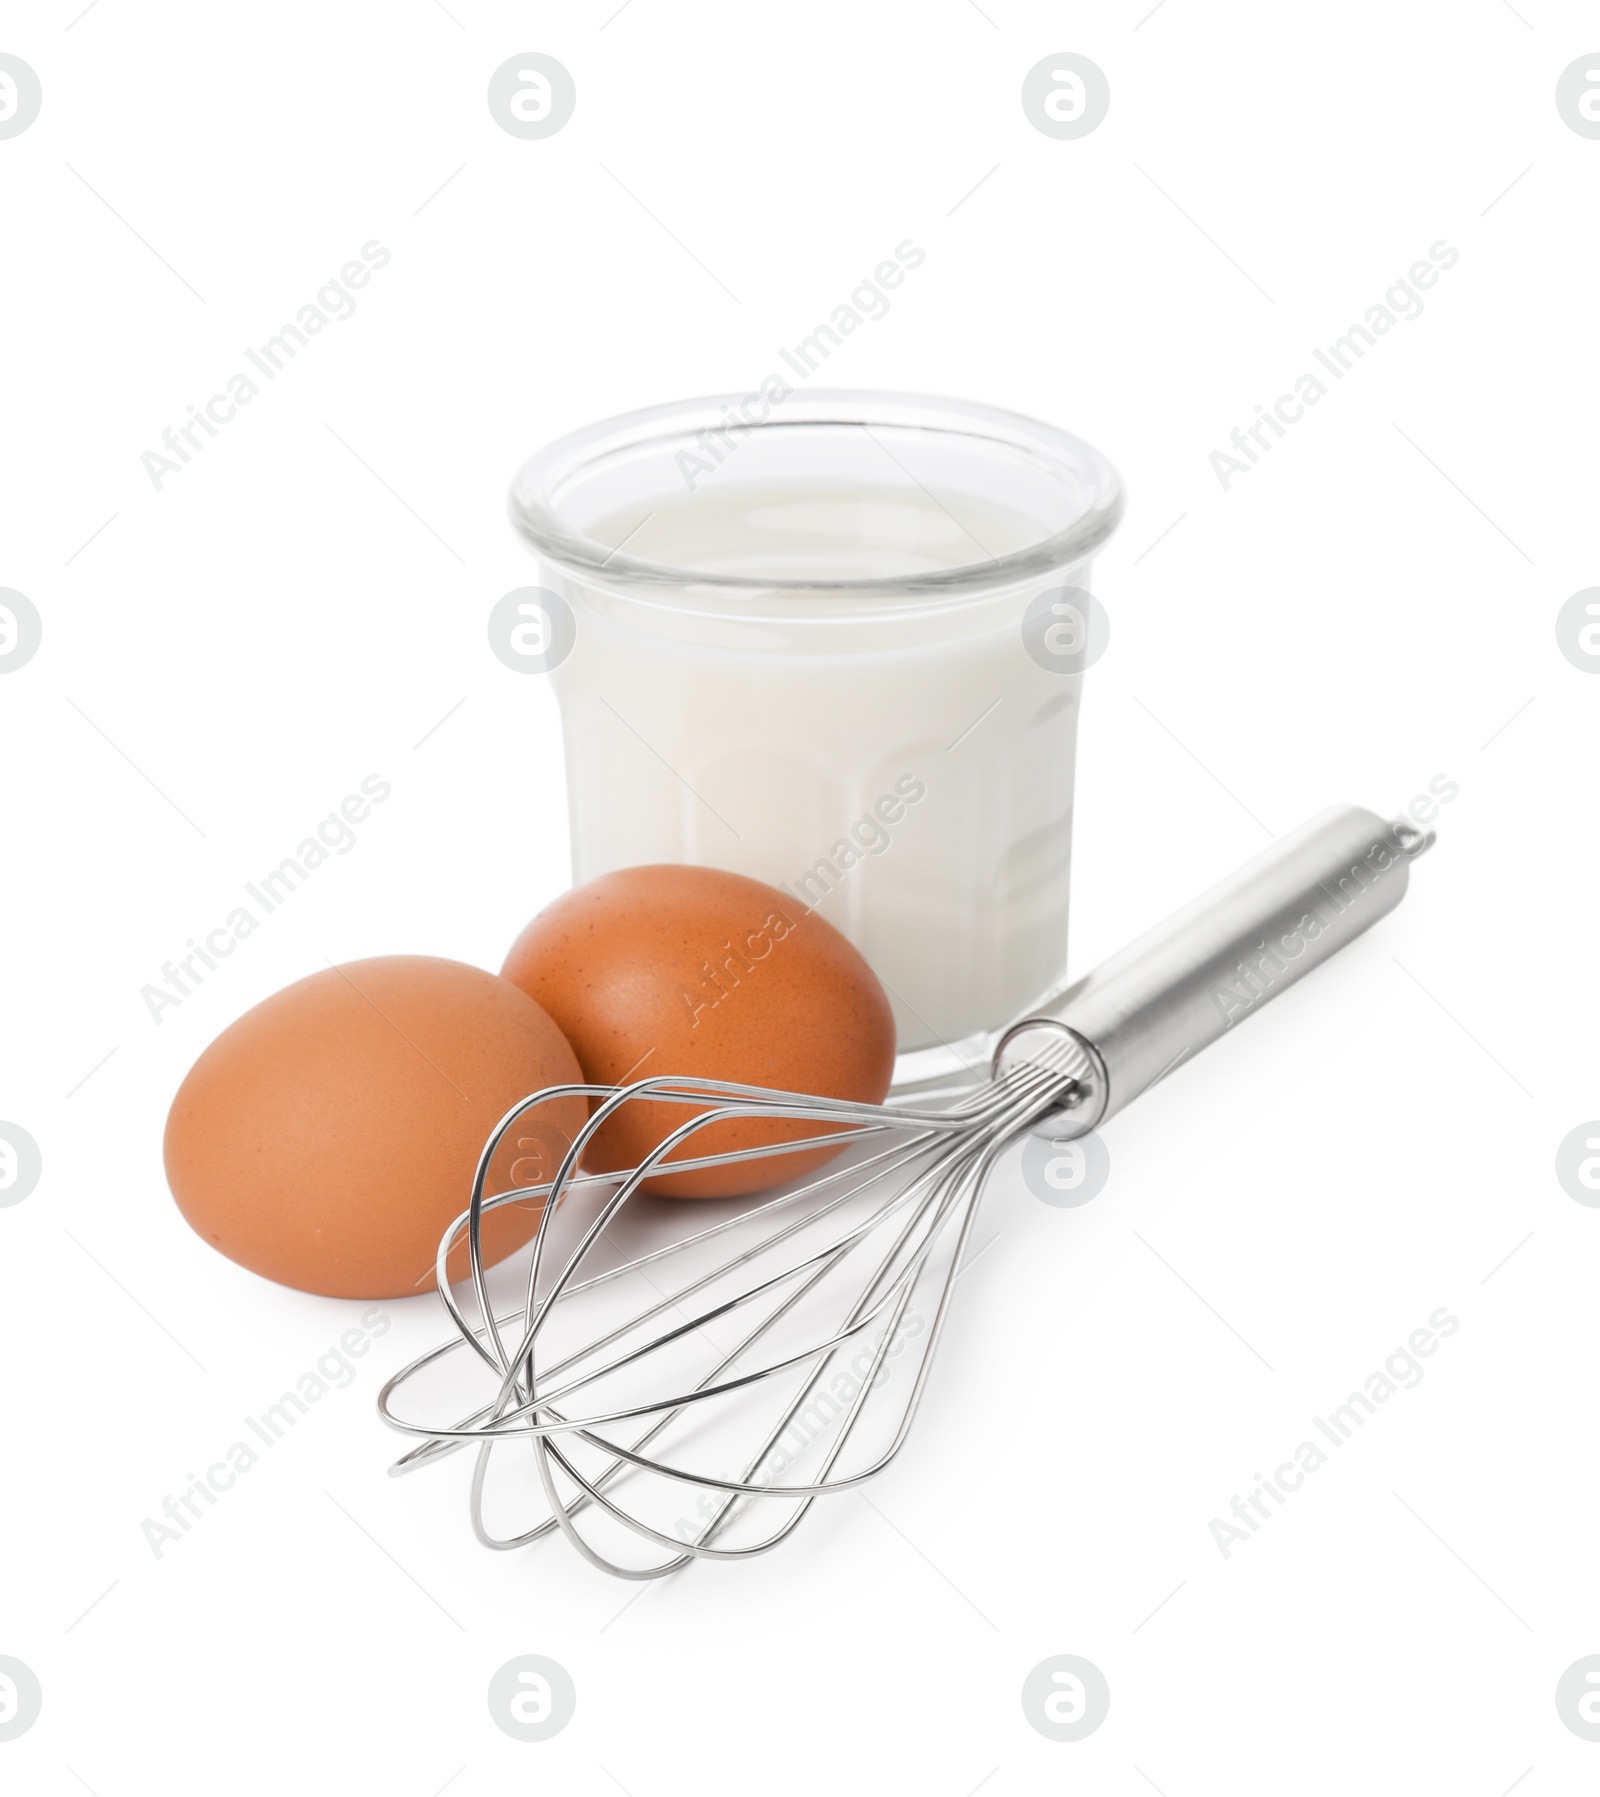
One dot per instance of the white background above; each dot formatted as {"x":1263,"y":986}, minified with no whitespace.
{"x":1370,"y":608}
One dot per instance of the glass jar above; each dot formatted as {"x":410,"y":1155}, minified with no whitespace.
{"x":835,"y":641}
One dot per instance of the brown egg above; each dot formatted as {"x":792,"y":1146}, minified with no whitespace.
{"x":328,"y":1137}
{"x":691,"y":971}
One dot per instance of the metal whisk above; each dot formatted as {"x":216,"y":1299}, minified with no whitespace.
{"x":697,"y":1385}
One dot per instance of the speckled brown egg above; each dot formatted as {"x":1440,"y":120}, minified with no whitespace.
{"x":692,"y":971}
{"x":328,"y":1137}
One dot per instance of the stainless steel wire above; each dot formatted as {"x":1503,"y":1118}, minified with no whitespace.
{"x":839,"y":1263}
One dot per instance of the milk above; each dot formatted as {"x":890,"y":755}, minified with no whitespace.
{"x":898,"y":761}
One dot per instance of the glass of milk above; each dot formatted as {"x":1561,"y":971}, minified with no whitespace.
{"x":836,"y":641}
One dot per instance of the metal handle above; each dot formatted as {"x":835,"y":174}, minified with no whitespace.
{"x":1219,"y":960}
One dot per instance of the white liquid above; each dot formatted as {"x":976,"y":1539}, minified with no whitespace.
{"x":909,"y":775}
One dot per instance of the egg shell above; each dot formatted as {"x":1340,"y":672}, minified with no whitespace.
{"x":328,"y":1137}
{"x":698,"y":972}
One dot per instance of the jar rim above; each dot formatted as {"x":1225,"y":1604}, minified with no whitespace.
{"x":535,"y":508}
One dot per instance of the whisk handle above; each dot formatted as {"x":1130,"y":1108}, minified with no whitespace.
{"x":1221,"y":958}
